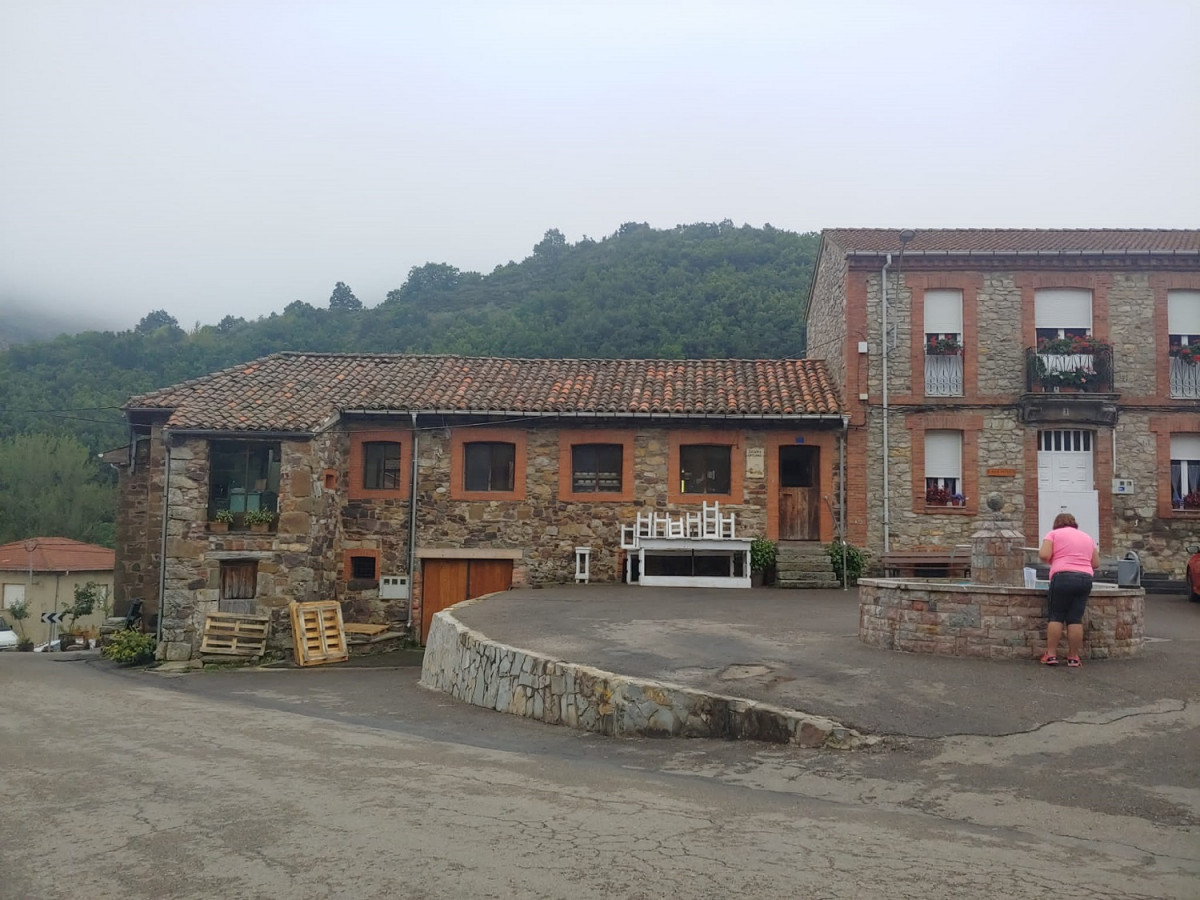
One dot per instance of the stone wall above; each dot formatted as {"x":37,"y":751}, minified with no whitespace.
{"x":306,"y":557}
{"x":1129,"y":310}
{"x":139,"y":528}
{"x":825,"y":330}
{"x":991,"y":621}
{"x":466,"y":665}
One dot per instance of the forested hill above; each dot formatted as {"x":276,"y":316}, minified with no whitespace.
{"x":704,"y":290}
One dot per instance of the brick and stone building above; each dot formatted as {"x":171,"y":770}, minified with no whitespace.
{"x":402,"y":484}
{"x":1055,"y":367}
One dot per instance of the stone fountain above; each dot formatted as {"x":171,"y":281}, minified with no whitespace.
{"x":994,"y":615}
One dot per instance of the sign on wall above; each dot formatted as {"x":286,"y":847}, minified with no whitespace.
{"x":756,"y":462}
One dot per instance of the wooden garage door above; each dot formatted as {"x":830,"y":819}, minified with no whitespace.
{"x":450,"y":581}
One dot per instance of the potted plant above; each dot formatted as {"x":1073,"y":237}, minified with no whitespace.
{"x":1192,"y":500}
{"x":937,"y":496}
{"x":1189,"y":353}
{"x":221,"y":521}
{"x":942,"y":346}
{"x":763,"y":554}
{"x":261,"y":520}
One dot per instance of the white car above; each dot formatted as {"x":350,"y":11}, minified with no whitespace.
{"x":8,"y":637}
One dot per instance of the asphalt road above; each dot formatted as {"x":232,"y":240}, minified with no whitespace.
{"x":360,"y":783}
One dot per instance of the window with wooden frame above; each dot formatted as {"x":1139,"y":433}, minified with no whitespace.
{"x":489,"y":466}
{"x":596,"y":468}
{"x":239,"y":579}
{"x":705,"y":468}
{"x":381,"y":466}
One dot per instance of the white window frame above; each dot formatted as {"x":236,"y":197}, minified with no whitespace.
{"x":1184,"y":470}
{"x":943,"y":462}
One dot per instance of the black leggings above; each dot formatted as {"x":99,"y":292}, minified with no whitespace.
{"x":1069,"y":592}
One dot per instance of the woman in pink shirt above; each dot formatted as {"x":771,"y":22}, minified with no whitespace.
{"x":1073,"y":558}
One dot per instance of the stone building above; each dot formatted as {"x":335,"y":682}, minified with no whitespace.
{"x":1053,"y":366}
{"x":403,"y":484}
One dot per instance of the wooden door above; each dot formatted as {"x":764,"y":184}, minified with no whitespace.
{"x":486,"y":576}
{"x":450,"y":581}
{"x":799,"y":493}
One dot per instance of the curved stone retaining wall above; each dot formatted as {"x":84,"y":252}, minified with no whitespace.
{"x":470,"y":667}
{"x":992,"y":621}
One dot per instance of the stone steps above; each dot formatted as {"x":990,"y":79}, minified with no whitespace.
{"x":804,"y":566}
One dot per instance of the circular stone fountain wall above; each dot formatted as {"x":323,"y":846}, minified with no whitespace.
{"x":989,"y":620}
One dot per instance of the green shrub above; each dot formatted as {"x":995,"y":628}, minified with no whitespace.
{"x":131,"y":648}
{"x":762,"y":554}
{"x":856,"y":561}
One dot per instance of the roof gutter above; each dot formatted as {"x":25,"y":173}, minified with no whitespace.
{"x":970,"y":253}
{"x":412,"y":525}
{"x":244,"y":435}
{"x":604,"y":414}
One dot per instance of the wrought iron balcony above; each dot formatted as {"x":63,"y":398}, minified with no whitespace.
{"x":943,"y":374}
{"x":1082,"y":365}
{"x":1069,"y":381}
{"x":1185,"y":378}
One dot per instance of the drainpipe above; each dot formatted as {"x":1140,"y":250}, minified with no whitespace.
{"x":842,"y":496}
{"x":412,"y":525}
{"x":883,"y":340}
{"x":162,"y":548}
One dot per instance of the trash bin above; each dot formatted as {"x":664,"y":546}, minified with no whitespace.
{"x":1129,"y":571}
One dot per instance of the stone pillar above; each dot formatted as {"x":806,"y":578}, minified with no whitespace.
{"x":997,"y":549}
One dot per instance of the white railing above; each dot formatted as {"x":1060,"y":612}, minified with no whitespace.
{"x":1056,"y":363}
{"x":943,"y":375}
{"x":1185,"y":378}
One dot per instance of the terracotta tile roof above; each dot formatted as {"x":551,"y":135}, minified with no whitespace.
{"x":55,"y":554}
{"x":994,"y":241}
{"x":300,"y":392}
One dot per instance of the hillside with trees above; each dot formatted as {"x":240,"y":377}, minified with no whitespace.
{"x":704,"y":290}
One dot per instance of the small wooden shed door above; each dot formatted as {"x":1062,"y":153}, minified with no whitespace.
{"x":799,"y":493}
{"x":450,"y":581}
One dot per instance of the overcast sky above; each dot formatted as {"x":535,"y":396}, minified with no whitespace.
{"x":212,"y":158}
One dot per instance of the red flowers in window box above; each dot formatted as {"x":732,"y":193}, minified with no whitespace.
{"x":1189,"y":353}
{"x":942,"y":346}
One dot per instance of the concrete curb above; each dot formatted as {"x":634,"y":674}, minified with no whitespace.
{"x":470,"y":667}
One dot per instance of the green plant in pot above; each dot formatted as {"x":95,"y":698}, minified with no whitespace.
{"x":763,"y":554}
{"x":261,"y":519}
{"x":222,"y":520}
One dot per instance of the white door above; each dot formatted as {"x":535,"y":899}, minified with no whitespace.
{"x":1066,"y":479}
{"x":13,"y":593}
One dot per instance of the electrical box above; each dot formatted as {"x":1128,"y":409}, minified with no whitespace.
{"x":1122,"y":485}
{"x":863,"y":347}
{"x":393,"y":587}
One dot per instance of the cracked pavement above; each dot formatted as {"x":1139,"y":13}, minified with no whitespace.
{"x":342,"y":782}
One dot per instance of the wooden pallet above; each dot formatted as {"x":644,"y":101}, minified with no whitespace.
{"x":363,"y":628}
{"x":317,"y":633}
{"x":235,"y":634}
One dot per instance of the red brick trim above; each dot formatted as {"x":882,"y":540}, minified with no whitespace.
{"x":969,"y":283}
{"x":350,"y":553}
{"x":355,"y":489}
{"x":1162,"y":427}
{"x":970,"y":427}
{"x":1161,"y":284}
{"x":462,"y":436}
{"x":826,"y":442}
{"x":1030,"y":283}
{"x":570,"y":438}
{"x":737,"y":464}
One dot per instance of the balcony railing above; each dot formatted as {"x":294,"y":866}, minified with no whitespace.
{"x":1087,"y":372}
{"x":1185,"y":378}
{"x":943,"y":375}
